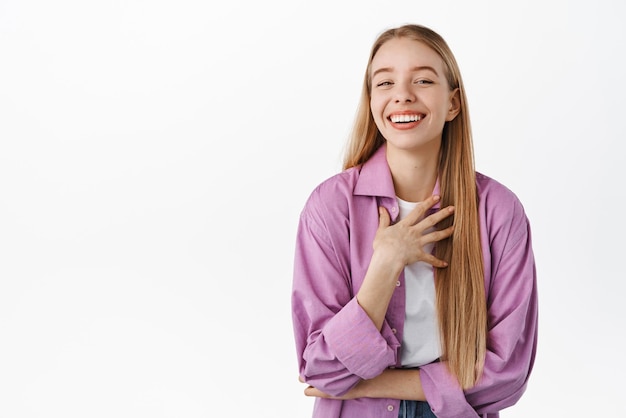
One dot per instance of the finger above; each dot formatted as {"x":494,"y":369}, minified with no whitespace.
{"x":437,"y":217}
{"x":434,"y":261}
{"x":383,"y":219}
{"x":419,"y":211}
{"x":311,"y":391}
{"x":438,"y":235}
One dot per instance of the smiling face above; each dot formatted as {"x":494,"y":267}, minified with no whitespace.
{"x":410,"y":96}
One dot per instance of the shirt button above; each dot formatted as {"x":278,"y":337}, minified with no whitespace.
{"x":394,"y":209}
{"x":394,"y":330}
{"x":389,"y":408}
{"x":398,"y":283}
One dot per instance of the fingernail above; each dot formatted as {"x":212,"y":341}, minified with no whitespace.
{"x":436,"y":197}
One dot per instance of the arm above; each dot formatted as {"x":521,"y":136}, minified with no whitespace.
{"x":344,"y":339}
{"x":395,"y":247}
{"x":392,"y":384}
{"x":336,"y":341}
{"x":512,"y":332}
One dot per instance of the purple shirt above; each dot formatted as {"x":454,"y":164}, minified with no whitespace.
{"x":337,"y":343}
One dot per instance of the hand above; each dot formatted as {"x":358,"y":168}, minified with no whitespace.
{"x":404,"y":242}
{"x":353,"y":393}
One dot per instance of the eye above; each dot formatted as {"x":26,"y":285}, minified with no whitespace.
{"x":423,"y":81}
{"x":384,"y":84}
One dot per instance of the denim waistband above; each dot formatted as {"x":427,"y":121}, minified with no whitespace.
{"x":415,"y":409}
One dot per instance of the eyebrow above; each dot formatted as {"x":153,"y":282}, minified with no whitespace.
{"x":414,"y":69}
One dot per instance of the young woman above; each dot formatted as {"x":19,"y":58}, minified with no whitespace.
{"x":414,"y":290}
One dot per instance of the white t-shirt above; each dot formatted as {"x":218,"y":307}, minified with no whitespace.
{"x":420,"y":340}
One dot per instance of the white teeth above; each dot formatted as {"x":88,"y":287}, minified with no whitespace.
{"x":405,"y":118}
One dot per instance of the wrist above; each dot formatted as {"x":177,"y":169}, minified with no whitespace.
{"x":389,"y":264}
{"x":364,"y":389}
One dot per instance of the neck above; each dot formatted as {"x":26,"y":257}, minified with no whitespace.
{"x":414,"y":173}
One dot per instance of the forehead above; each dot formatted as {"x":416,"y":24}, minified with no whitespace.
{"x":403,"y":53}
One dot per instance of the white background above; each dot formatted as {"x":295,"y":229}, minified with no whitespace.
{"x":155,"y":155}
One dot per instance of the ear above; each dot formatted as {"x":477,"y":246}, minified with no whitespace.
{"x":455,"y":105}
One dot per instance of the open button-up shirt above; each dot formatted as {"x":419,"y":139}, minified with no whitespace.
{"x":337,"y":343}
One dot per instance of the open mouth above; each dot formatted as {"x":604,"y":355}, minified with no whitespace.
{"x":406,"y":118}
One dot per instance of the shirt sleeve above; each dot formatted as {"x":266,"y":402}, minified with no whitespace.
{"x":512,"y":332}
{"x":336,"y":341}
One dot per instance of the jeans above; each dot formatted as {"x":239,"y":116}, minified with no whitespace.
{"x":415,"y":409}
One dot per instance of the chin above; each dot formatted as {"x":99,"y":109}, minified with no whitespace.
{"x":410,"y":144}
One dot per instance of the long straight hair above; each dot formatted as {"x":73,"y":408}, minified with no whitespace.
{"x":460,"y":288}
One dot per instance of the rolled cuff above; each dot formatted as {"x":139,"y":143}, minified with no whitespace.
{"x":358,"y":344}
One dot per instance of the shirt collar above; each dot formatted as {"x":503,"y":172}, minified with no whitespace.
{"x":375,"y":177}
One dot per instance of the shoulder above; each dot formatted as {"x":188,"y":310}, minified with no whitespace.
{"x":327,"y":209}
{"x":488,"y":186}
{"x":332,"y":193}
{"x":494,"y":195}
{"x":500,"y":209}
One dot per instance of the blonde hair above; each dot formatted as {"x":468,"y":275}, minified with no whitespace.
{"x":460,"y":288}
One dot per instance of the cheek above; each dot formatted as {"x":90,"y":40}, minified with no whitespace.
{"x":377,"y":109}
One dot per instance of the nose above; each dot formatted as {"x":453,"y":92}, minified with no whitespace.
{"x":404,"y":94}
